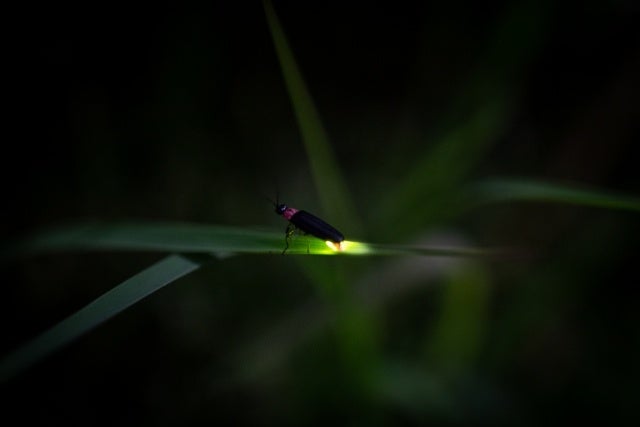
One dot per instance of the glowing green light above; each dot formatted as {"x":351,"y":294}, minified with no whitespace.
{"x":349,"y":247}
{"x":337,"y":247}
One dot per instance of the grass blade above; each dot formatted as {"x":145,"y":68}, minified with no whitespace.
{"x":103,"y":308}
{"x":428,"y":192}
{"x":155,"y":236}
{"x":209,"y":239}
{"x":428,"y":188}
{"x":330,"y":184}
{"x":539,"y":191}
{"x":191,"y":238}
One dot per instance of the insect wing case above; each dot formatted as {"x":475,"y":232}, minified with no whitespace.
{"x":313,"y":225}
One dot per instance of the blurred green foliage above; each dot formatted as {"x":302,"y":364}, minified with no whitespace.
{"x":397,"y":115}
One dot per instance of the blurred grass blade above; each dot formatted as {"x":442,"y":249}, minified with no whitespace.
{"x":209,"y":239}
{"x":155,"y":236}
{"x":428,"y":191}
{"x":428,"y":188}
{"x":331,"y":187}
{"x":106,"y":306}
{"x":456,"y":339}
{"x":539,"y":191}
{"x":191,"y":238}
{"x":336,"y":203}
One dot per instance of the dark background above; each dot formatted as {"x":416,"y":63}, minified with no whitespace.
{"x":180,"y":112}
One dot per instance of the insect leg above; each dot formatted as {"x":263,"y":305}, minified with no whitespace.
{"x":290,"y":229}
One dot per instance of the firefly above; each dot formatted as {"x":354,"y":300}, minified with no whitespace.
{"x":308,"y":224}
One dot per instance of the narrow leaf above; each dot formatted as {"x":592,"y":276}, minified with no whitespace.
{"x":331,"y":186}
{"x":103,"y":308}
{"x":538,"y":191}
{"x":211,"y":239}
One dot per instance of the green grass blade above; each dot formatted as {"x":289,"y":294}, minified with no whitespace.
{"x":454,"y":344}
{"x":332,"y":190}
{"x":539,"y":191}
{"x":210,"y":239}
{"x":103,"y":308}
{"x":429,"y":190}
{"x":156,"y":236}
{"x":429,"y":186}
{"x":168,"y":237}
